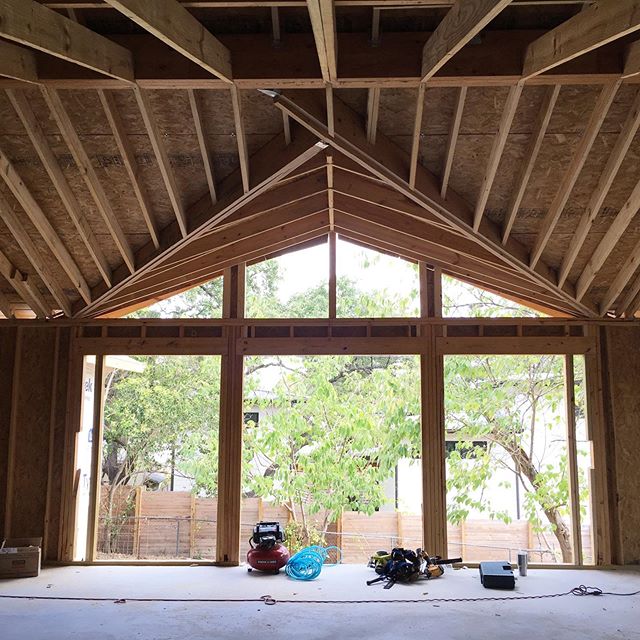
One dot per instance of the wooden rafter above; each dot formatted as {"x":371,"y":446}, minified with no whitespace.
{"x":615,"y":231}
{"x":129,"y":161}
{"x":42,"y":224}
{"x":177,"y":28}
{"x":530,"y":157}
{"x":202,"y":143}
{"x":616,"y":157}
{"x":594,"y":27}
{"x":416,"y":136}
{"x":495,"y":156}
{"x":461,"y":24}
{"x":388,"y":165}
{"x":162,"y":157}
{"x":632,"y":60}
{"x":452,"y":140}
{"x":82,"y":160}
{"x":573,"y":171}
{"x":621,"y":281}
{"x":39,"y":262}
{"x":33,"y":25}
{"x":323,"y":23}
{"x":5,"y":306}
{"x":22,"y":286}
{"x":243,"y":154}
{"x":47,"y":157}
{"x":271,"y":163}
{"x":17,"y":63}
{"x":245,"y":250}
{"x":373,"y":109}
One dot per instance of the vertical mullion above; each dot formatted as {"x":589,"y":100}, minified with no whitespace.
{"x":332,"y":275}
{"x":572,"y":458}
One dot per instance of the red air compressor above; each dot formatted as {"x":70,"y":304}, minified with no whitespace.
{"x":267,"y":552}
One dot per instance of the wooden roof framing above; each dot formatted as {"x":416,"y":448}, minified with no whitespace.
{"x":145,"y":160}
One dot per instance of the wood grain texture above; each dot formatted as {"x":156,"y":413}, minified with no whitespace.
{"x":17,"y":63}
{"x":461,"y":24}
{"x":177,"y":28}
{"x":597,"y":25}
{"x":31,"y":24}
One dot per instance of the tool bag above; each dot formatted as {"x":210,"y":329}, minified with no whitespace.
{"x":401,"y":565}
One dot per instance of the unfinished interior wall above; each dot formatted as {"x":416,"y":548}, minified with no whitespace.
{"x":622,"y":388}
{"x":33,"y":402}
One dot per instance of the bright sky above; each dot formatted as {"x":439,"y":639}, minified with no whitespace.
{"x":303,"y":269}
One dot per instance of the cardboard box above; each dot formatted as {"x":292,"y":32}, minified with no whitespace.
{"x":20,"y":557}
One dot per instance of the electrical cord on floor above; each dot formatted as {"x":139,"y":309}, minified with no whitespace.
{"x":580,"y":590}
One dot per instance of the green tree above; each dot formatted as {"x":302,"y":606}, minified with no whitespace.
{"x":164,"y":419}
{"x":331,"y":431}
{"x":513,"y":403}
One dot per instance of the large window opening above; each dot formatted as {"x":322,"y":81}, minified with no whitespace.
{"x":371,"y":284}
{"x":154,"y":443}
{"x":509,"y":461}
{"x":332,"y":450}
{"x":294,"y":285}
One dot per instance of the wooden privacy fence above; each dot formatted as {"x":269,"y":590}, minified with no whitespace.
{"x":180,"y":524}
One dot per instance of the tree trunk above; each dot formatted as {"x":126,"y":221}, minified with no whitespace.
{"x":526,"y":467}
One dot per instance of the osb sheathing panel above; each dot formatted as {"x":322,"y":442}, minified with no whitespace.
{"x":32,"y":415}
{"x":623,"y":346}
{"x":14,"y":252}
{"x":7,"y":352}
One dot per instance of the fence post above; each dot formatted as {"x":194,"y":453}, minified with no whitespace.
{"x":193,"y":522}
{"x":260,"y":510}
{"x":399,"y":529}
{"x":136,"y":514}
{"x":463,"y":537}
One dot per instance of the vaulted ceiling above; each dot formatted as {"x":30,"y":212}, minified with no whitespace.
{"x":146,"y":145}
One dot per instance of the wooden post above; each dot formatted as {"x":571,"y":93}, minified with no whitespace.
{"x":73,"y":423}
{"x":96,"y":457}
{"x":601,"y":514}
{"x":332,"y":275}
{"x":192,"y":525}
{"x":52,"y":428}
{"x":15,"y":387}
{"x":231,"y":423}
{"x":136,"y":522}
{"x":572,"y":458}
{"x":430,"y":290}
{"x":434,"y":504}
{"x":399,"y":529}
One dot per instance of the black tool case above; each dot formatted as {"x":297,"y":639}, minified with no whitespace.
{"x":497,"y":575}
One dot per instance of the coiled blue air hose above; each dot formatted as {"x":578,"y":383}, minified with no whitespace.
{"x":307,"y":563}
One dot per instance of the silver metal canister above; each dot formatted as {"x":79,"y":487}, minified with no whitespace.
{"x":522,"y":562}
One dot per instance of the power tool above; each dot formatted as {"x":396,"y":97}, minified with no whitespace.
{"x":267,"y":552}
{"x":406,"y":565}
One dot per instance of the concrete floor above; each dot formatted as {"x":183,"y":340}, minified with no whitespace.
{"x":568,"y":617}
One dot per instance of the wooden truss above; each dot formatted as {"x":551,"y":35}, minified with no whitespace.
{"x":334,"y":174}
